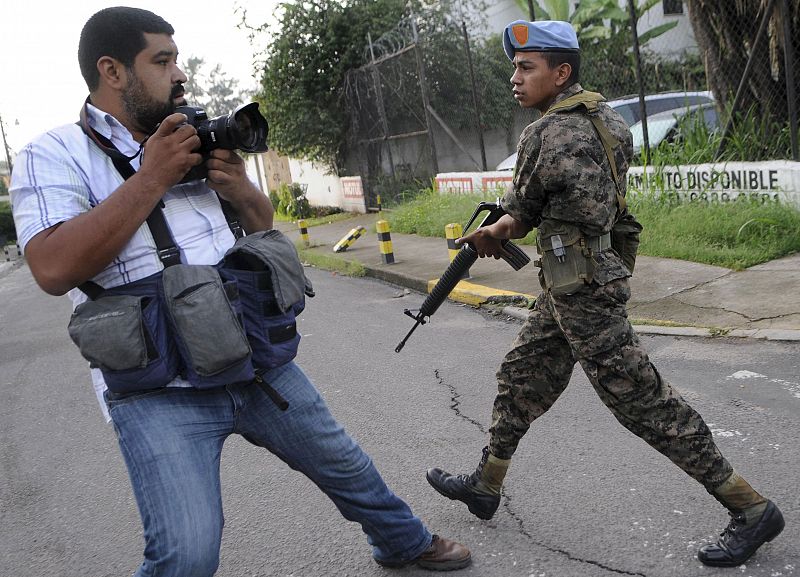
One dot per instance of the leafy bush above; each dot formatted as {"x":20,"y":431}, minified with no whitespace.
{"x":290,"y":200}
{"x":323,"y":211}
{"x":7,"y":231}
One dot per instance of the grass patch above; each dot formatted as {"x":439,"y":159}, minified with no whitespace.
{"x":430,"y":212}
{"x":331,"y":263}
{"x":319,"y":220}
{"x":734,"y":235}
{"x":657,"y":323}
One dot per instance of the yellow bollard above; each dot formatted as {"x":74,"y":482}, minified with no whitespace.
{"x":453,"y":231}
{"x":349,"y":239}
{"x":301,"y":224}
{"x":385,"y":241}
{"x":379,"y":206}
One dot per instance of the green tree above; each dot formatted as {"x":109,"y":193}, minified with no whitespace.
{"x":303,"y":74}
{"x":597,"y":19}
{"x":213,"y":91}
{"x":303,"y":78}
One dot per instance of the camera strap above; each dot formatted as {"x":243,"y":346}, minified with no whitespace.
{"x":168,"y":252}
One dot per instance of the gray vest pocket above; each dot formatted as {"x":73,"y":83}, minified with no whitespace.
{"x":206,"y":321}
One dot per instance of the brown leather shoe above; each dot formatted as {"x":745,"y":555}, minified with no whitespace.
{"x":442,"y":555}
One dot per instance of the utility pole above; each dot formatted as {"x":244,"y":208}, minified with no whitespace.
{"x":531,"y":11}
{"x":639,"y":80}
{"x":5,"y":143}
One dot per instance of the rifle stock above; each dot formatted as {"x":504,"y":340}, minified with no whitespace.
{"x":465,"y":258}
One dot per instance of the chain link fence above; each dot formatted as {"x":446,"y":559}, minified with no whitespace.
{"x":434,"y":98}
{"x":749,"y":49}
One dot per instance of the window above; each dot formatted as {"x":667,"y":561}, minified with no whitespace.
{"x":672,"y":7}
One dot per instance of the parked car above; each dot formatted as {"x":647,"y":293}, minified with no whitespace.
{"x":628,"y":107}
{"x":666,"y":126}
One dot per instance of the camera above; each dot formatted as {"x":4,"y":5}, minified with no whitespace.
{"x":243,"y":129}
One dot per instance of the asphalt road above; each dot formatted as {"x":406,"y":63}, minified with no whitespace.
{"x":584,"y":497}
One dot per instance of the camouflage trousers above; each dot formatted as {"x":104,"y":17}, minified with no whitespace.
{"x":592,"y":327}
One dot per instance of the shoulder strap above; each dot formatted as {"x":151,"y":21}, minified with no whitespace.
{"x":168,"y":252}
{"x":588,"y":101}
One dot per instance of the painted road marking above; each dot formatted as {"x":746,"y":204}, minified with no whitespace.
{"x":791,"y":387}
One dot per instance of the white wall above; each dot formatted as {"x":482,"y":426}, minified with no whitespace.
{"x":324,"y":188}
{"x":674,"y":42}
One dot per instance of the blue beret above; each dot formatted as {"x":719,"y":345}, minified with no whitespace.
{"x":540,"y":36}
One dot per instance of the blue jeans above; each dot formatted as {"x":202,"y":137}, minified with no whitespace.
{"x":172,"y":439}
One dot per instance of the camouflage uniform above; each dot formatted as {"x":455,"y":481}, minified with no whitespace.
{"x":562,"y":173}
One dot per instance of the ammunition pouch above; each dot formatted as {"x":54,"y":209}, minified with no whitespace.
{"x":566,"y":256}
{"x":211,"y":325}
{"x":625,"y":238}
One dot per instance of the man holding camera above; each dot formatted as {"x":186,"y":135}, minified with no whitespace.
{"x":83,"y":198}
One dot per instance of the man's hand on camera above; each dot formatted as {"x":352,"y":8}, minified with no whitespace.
{"x":170,"y":152}
{"x":227,"y":176}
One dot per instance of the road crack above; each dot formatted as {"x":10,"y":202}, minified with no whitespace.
{"x":455,"y":406}
{"x":523,"y":531}
{"x":455,"y":403}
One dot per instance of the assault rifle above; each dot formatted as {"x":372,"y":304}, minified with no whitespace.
{"x":465,"y":258}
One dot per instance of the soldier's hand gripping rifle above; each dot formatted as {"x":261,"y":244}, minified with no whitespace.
{"x":465,"y":258}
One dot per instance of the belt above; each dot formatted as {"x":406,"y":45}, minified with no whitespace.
{"x":599,"y":243}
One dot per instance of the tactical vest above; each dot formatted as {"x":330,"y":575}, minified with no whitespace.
{"x":624,"y":236}
{"x":213,"y":325}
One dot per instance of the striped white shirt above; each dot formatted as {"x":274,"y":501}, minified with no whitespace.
{"x":62,"y":174}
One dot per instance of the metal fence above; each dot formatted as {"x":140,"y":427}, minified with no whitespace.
{"x":750,"y":58}
{"x":434,"y":98}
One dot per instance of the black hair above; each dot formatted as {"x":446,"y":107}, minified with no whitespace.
{"x":117,"y":32}
{"x":555,"y":59}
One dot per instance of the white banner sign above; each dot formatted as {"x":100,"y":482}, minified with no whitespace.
{"x":774,"y":180}
{"x":769,"y":181}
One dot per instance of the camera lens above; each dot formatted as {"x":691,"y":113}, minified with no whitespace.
{"x":249,"y":128}
{"x":244,"y":129}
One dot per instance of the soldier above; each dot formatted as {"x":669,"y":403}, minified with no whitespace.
{"x":569,"y":182}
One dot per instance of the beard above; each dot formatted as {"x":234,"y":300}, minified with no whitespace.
{"x":144,"y":110}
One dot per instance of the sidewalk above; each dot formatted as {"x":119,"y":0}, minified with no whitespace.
{"x":669,"y":297}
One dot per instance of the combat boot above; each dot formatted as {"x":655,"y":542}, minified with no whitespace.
{"x":480,"y":490}
{"x":741,"y":539}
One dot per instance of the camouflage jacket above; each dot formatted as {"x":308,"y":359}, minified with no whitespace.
{"x":562,"y":173}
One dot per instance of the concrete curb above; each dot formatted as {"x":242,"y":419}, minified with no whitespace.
{"x":476,"y":295}
{"x":688,"y":331}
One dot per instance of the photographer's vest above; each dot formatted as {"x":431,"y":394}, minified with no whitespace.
{"x":567,"y":254}
{"x":212,"y":325}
